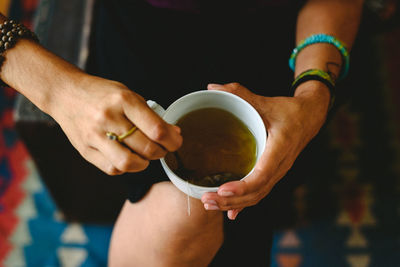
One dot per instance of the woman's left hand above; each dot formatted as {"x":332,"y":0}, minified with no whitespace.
{"x":291,"y":122}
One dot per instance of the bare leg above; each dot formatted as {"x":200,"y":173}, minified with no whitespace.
{"x":157,"y":231}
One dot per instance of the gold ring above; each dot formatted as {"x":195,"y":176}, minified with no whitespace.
{"x":120,"y":138}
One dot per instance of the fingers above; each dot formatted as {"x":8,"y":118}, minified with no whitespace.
{"x":121,"y":157}
{"x":232,"y":214}
{"x":144,"y":147}
{"x":249,"y":191}
{"x":97,"y":159}
{"x":108,"y":106}
{"x":155,"y":128}
{"x":138,"y":142}
{"x":234,"y":88}
{"x":230,"y":200}
{"x":241,"y":91}
{"x":150,"y":141}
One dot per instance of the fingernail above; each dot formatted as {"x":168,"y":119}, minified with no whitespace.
{"x":211,"y":202}
{"x":232,"y":214}
{"x":211,"y":207}
{"x":177,"y":129}
{"x":214,"y":85}
{"x":224,"y":193}
{"x":235,"y":214}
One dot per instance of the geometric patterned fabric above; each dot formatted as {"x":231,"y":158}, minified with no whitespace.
{"x":361,"y":196}
{"x":32,"y":231}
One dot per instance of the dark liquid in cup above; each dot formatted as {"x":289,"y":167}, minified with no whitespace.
{"x":217,"y":148}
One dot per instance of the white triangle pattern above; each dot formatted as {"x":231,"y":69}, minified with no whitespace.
{"x":21,"y":236}
{"x":15,"y":258}
{"x":358,"y":260}
{"x":74,"y":234}
{"x":71,"y":257}
{"x":32,"y":183}
{"x":27,"y":208}
{"x":356,"y":239}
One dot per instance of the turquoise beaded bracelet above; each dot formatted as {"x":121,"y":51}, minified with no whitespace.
{"x":317,"y":75}
{"x":323,"y":38}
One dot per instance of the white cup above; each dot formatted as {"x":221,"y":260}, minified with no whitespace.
{"x":207,"y":99}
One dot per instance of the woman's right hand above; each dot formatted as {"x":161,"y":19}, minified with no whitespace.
{"x":96,"y":106}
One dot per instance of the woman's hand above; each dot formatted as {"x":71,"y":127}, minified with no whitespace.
{"x":291,"y":122}
{"x":98,"y":106}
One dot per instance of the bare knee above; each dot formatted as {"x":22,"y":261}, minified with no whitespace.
{"x":158,"y":231}
{"x":180,"y":213}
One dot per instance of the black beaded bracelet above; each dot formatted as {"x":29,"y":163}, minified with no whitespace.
{"x":316,"y":75}
{"x":10,"y":32}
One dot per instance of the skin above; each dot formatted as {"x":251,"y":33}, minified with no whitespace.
{"x":160,"y":233}
{"x":151,"y":231}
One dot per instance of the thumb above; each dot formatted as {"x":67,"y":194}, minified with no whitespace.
{"x":233,"y":213}
{"x":234,"y":88}
{"x":216,"y":86}
{"x":252,"y":183}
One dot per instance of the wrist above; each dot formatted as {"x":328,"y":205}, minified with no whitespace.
{"x":315,"y":95}
{"x":64,"y":90}
{"x":39,"y":75}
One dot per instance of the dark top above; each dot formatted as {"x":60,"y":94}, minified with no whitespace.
{"x":198,"y":5}
{"x":163,"y":54}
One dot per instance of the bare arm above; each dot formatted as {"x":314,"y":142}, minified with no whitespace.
{"x":86,"y":107}
{"x":339,"y":18}
{"x":291,"y":121}
{"x":37,"y":73}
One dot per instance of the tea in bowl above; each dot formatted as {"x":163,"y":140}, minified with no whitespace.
{"x":223,"y":138}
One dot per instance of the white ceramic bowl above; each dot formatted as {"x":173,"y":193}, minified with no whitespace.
{"x":206,"y":99}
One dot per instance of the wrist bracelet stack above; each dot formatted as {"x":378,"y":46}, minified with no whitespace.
{"x":317,"y":75}
{"x":10,"y":33}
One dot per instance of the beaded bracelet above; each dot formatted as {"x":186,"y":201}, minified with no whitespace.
{"x":317,"y":75}
{"x":323,"y":38}
{"x":10,"y":32}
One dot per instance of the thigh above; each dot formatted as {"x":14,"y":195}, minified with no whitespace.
{"x":158,"y":231}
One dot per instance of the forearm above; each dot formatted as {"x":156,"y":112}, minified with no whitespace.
{"x":339,"y":18}
{"x":38,"y":74}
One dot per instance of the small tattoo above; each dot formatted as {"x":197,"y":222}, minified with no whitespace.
{"x":331,"y":67}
